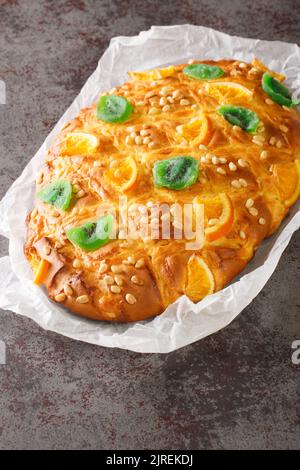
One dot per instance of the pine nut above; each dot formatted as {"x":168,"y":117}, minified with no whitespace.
{"x":103,"y":268}
{"x":184,"y":102}
{"x":242,"y":162}
{"x":82,"y":299}
{"x":165,"y":90}
{"x":136,"y":280}
{"x":249,"y":203}
{"x":232,"y":166}
{"x":176,"y":94}
{"x":81,"y":193}
{"x":130,"y":299}
{"x":253,"y":211}
{"x":153,"y":110}
{"x":264,"y":155}
{"x":221,"y":171}
{"x":243,"y":182}
{"x":76,"y":263}
{"x":140,"y":263}
{"x":257,"y":141}
{"x":115,"y":289}
{"x":108,"y":279}
{"x":261,"y":221}
{"x":146,"y":140}
{"x":68,"y":290}
{"x":60,"y":297}
{"x":235,"y":184}
{"x":116,"y":268}
{"x":242,"y":235}
{"x":118,"y":280}
{"x":138,"y":140}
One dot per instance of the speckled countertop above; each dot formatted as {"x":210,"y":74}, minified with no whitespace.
{"x":236,"y":389}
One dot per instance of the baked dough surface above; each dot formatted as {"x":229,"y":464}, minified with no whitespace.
{"x":252,"y":171}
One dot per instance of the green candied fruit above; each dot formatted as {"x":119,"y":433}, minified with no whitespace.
{"x":58,"y":194}
{"x":92,"y":235}
{"x":176,"y":173}
{"x":115,"y":109}
{"x":277,"y":92}
{"x":203,"y":71}
{"x":239,"y":116}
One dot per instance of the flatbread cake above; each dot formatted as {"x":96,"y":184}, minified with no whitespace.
{"x":224,"y":136}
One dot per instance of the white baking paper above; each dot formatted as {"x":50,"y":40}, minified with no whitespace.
{"x":183,"y":322}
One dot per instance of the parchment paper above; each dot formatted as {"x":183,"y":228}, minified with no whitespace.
{"x":183,"y":322}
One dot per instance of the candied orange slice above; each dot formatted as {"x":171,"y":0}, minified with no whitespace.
{"x":122,"y":174}
{"x":197,"y":131}
{"x":154,"y":74}
{"x":228,"y":91}
{"x":79,"y":143}
{"x":200,"y":279}
{"x":287,"y":177}
{"x":218,"y":215}
{"x":41,"y":271}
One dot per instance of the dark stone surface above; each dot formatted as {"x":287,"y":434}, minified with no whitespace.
{"x":237,"y":389}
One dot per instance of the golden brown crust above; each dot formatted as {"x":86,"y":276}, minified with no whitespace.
{"x":148,"y":275}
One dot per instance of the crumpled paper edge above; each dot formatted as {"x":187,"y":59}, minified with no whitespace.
{"x":183,"y":322}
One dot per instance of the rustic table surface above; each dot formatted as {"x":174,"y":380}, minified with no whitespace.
{"x":236,"y":389}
